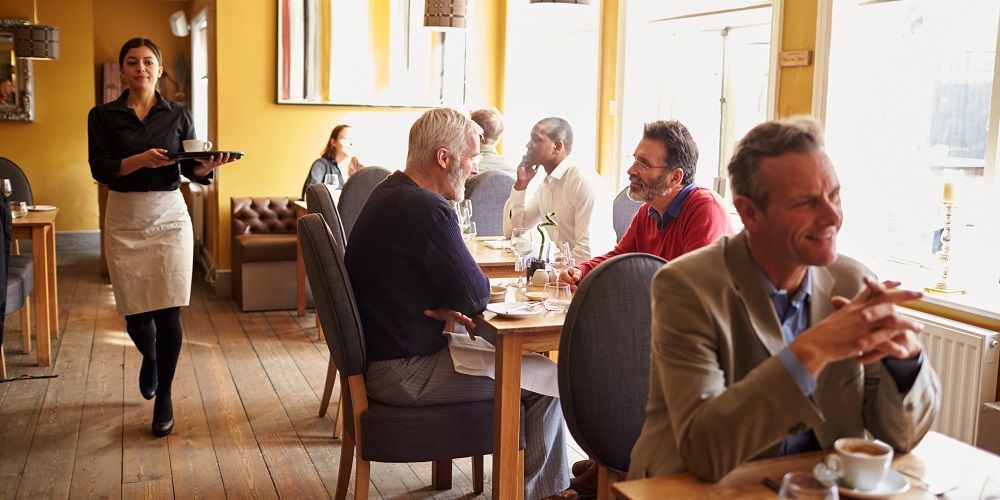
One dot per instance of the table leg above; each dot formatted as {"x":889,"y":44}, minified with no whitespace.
{"x":53,"y":282}
{"x":508,"y":478}
{"x":300,"y":277}
{"x":40,"y":261}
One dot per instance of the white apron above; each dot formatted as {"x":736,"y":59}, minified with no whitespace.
{"x":149,"y":245}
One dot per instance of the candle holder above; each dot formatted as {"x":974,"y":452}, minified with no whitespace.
{"x":944,"y":256}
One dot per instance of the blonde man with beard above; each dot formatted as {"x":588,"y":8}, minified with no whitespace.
{"x":676,"y":216}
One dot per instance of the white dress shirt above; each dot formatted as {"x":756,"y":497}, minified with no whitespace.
{"x":581,"y":201}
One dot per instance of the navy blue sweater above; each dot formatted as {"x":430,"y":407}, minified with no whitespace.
{"x":406,"y":254}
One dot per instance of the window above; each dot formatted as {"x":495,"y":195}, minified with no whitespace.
{"x":908,"y":109}
{"x":704,"y":64}
{"x":551,"y":70}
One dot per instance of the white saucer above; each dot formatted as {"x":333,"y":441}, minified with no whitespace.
{"x":41,"y":208}
{"x":893,"y":483}
{"x":506,"y":309}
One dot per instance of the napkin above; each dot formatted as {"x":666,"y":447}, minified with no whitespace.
{"x":498,"y":245}
{"x":478,"y":358}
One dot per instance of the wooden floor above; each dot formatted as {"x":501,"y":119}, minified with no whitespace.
{"x":246,"y":396}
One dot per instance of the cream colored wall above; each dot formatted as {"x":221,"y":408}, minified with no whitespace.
{"x":53,"y":150}
{"x":281,"y":141}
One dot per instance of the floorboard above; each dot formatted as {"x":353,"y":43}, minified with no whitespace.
{"x":246,"y":400}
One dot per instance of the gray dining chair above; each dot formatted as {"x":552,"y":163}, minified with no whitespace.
{"x":488,"y":192}
{"x":21,"y":266}
{"x":375,"y":431}
{"x":16,"y":300}
{"x":604,"y":361}
{"x":356,"y":191}
{"x":19,"y":182}
{"x":319,"y":200}
{"x":622,"y":211}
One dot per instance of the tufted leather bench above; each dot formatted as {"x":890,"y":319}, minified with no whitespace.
{"x":264,"y":253}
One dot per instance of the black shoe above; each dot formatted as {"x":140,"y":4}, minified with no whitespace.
{"x":161,"y":429}
{"x":147,"y":378}
{"x":163,"y":416}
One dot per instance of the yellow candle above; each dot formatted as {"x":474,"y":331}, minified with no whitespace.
{"x":949,"y":192}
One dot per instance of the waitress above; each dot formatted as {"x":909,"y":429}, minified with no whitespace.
{"x":147,"y":230}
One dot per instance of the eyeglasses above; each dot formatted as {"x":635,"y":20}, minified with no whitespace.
{"x":632,"y":161}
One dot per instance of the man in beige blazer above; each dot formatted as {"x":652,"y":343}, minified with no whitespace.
{"x":755,"y":350}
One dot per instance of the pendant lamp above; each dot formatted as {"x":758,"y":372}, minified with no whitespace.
{"x":36,"y":41}
{"x":444,"y":14}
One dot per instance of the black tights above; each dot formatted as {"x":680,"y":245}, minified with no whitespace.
{"x":158,"y":334}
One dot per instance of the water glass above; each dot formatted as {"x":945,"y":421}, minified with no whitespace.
{"x":330,"y":180}
{"x":557,"y":297}
{"x":559,"y":256}
{"x":6,"y":187}
{"x":805,"y":486}
{"x":18,"y":209}
{"x":469,"y":231}
{"x":520,"y":244}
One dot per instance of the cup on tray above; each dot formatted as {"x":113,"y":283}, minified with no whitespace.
{"x":196,"y":145}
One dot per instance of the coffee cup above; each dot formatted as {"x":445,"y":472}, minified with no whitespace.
{"x":196,"y":145}
{"x":858,"y":463}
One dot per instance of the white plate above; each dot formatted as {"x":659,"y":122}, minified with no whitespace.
{"x":41,"y":208}
{"x":507,"y":309}
{"x":893,"y":483}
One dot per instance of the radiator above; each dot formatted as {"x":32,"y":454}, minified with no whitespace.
{"x":965,"y":358}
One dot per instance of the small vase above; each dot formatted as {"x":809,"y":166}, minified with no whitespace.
{"x":533,"y":264}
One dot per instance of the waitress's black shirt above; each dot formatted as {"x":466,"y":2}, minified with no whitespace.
{"x":115,"y":133}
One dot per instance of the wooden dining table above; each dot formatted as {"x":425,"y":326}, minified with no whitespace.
{"x":937,"y":464}
{"x":495,"y":262}
{"x":513,"y":337}
{"x":39,"y":227}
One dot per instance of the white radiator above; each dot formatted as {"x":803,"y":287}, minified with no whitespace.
{"x":965,"y":358}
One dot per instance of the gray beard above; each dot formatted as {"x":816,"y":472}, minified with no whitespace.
{"x":455,"y":179}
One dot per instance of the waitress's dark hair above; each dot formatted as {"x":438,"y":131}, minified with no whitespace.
{"x":138,"y":42}
{"x":329,"y":151}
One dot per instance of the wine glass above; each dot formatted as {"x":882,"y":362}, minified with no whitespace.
{"x":520,"y":244}
{"x":7,"y":188}
{"x":559,"y":255}
{"x":805,"y":486}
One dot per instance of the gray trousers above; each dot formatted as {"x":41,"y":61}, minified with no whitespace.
{"x":432,"y":380}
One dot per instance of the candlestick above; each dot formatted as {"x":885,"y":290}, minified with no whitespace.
{"x":949,"y":192}
{"x":944,"y":256}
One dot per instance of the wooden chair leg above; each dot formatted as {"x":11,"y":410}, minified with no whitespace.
{"x":319,"y":329}
{"x":331,"y":378}
{"x":605,"y":480}
{"x":344,"y":473}
{"x":338,"y":426}
{"x":362,"y":479}
{"x":26,"y":326}
{"x":477,"y":474}
{"x":3,"y":364}
{"x":441,"y":475}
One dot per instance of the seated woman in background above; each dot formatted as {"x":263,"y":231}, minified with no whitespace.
{"x":339,"y":152}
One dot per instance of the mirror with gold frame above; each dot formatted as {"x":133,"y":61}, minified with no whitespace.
{"x":348,"y":52}
{"x":16,"y":97}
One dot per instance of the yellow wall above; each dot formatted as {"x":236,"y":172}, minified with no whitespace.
{"x":115,"y":21}
{"x":281,"y":141}
{"x":53,"y":150}
{"x":798,"y":33}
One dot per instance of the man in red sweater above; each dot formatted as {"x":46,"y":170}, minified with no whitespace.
{"x":677,"y":216}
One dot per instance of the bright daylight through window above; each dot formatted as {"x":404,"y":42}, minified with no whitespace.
{"x":910,"y":110}
{"x":704,"y":63}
